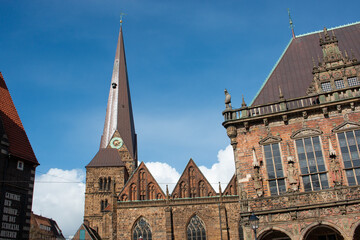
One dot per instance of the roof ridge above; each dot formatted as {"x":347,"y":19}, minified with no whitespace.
{"x":332,"y":28}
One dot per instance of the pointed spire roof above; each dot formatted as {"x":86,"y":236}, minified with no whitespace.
{"x":119,"y":115}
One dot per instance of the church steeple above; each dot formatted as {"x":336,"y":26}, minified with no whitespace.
{"x":119,"y":122}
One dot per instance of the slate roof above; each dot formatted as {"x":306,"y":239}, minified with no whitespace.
{"x":19,"y":144}
{"x":106,"y":157}
{"x":293,"y":71}
{"x":119,"y":114}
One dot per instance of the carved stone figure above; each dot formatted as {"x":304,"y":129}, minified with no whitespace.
{"x":227,"y":100}
{"x":336,"y":169}
{"x":258,"y":185}
{"x":293,"y":177}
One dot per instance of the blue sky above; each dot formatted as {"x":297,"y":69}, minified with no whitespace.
{"x":57,"y":59}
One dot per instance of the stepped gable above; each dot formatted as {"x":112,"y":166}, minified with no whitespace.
{"x":141,"y":186}
{"x":106,"y":157}
{"x":19,"y":144}
{"x":231,"y":188}
{"x":192,"y":183}
{"x":293,"y":71}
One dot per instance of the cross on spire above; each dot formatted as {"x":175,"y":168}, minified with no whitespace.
{"x":121,"y":17}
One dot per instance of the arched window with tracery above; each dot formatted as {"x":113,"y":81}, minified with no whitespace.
{"x":133,"y":192}
{"x":106,"y":203}
{"x":202,"y":190}
{"x":151,"y":189}
{"x":142,"y":230}
{"x":100,"y":183}
{"x":159,"y":196}
{"x":196,"y":229}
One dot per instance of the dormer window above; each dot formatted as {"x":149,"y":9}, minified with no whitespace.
{"x":339,"y":84}
{"x":326,"y":87}
{"x":353,"y":81}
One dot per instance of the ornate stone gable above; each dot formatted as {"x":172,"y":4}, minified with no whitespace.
{"x":269,"y":139}
{"x":306,"y":132}
{"x":231,"y":188}
{"x":141,"y":186}
{"x":335,"y":71}
{"x":345,"y":126}
{"x":192,"y":183}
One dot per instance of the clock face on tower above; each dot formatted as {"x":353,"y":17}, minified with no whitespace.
{"x":116,"y":142}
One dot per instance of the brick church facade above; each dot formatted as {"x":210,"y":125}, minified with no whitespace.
{"x":296,"y":151}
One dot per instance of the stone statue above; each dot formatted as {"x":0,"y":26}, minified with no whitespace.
{"x":292,"y":177}
{"x":258,"y":182}
{"x":227,"y":100}
{"x":336,"y":169}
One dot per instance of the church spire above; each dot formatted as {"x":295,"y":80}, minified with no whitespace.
{"x":119,"y":117}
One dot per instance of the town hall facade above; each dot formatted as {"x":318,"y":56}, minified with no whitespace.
{"x":296,"y":151}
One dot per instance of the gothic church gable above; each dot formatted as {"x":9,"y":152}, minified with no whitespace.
{"x":192,"y":183}
{"x":141,"y":186}
{"x":231,"y":188}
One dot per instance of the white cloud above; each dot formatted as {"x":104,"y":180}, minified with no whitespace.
{"x":164,"y":174}
{"x":59,"y":194}
{"x":222,"y":171}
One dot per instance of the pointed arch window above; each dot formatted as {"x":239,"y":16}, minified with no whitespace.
{"x":196,"y":229}
{"x":133,"y":192}
{"x":100,"y":183}
{"x":151,"y":189}
{"x":109,"y":183}
{"x":142,"y":185}
{"x":202,"y":189}
{"x":182,"y":190}
{"x":192,"y":182}
{"x":105,"y":184}
{"x":142,"y":230}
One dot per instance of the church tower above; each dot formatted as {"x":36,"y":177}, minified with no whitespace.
{"x":116,"y":159}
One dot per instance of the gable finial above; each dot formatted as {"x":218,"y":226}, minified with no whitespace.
{"x":281,"y":95}
{"x":121,"y":17}
{"x":291,"y":25}
{"x":167,"y":192}
{"x":243,"y":104}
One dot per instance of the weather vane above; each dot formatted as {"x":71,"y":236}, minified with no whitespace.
{"x":121,"y":17}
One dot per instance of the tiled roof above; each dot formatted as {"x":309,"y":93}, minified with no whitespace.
{"x":19,"y":144}
{"x":293,"y":71}
{"x":54,"y":230}
{"x":106,"y":157}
